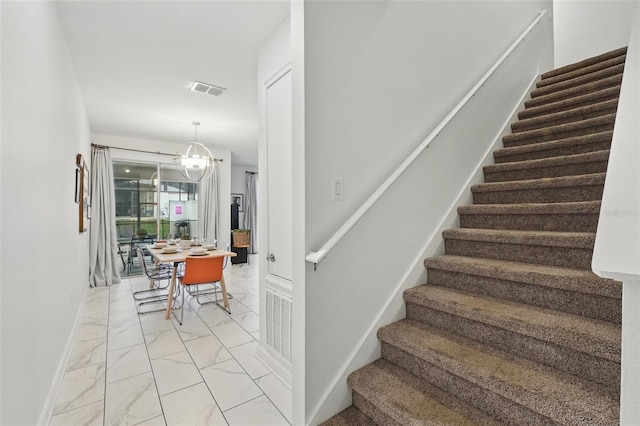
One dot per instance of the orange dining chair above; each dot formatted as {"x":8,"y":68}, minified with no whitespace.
{"x":204,"y":270}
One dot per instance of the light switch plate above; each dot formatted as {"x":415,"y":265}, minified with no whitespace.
{"x":337,"y":189}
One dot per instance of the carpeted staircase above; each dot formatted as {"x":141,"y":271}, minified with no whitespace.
{"x":512,"y":326}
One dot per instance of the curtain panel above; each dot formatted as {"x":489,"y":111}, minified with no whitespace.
{"x":208,"y":207}
{"x":251,"y":210}
{"x":103,"y":238}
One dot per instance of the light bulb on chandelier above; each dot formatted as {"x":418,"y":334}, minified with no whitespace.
{"x":194,"y":161}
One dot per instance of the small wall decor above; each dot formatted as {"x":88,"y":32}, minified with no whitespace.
{"x":239,"y":200}
{"x":83,"y":193}
{"x":78,"y":183}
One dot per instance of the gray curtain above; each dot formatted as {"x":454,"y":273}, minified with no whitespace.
{"x":251,"y":209}
{"x":208,"y":206}
{"x":103,"y":239}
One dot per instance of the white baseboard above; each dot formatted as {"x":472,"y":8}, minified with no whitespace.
{"x":52,"y":395}
{"x":278,"y":366}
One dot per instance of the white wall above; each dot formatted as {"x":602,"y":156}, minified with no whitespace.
{"x":239,"y":184}
{"x":170,"y":148}
{"x":378,"y":77}
{"x":44,"y":259}
{"x":585,"y":28}
{"x":617,"y":246}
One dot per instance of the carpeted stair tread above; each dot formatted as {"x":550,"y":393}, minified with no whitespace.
{"x":578,"y":80}
{"x":399,"y":398}
{"x":589,"y":69}
{"x":574,"y":291}
{"x":581,"y":216}
{"x":578,"y":207}
{"x":557,"y":182}
{"x":561,"y":131}
{"x":586,"y":335}
{"x":598,"y":96}
{"x":542,"y":238}
{"x":568,"y":116}
{"x":568,"y":146}
{"x":546,"y":190}
{"x":554,"y":395}
{"x":350,"y":416}
{"x":584,"y":63}
{"x":567,"y":165}
{"x":575,"y":91}
{"x":564,"y":249}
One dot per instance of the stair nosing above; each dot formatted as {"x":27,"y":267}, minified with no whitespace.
{"x":496,"y":381}
{"x":561,"y":128}
{"x":585,"y":63}
{"x":569,"y":279}
{"x":574,"y":91}
{"x":607,"y":93}
{"x":579,"y":80}
{"x":546,"y":325}
{"x":596,"y":66}
{"x":541,"y":183}
{"x":565,"y":114}
{"x":581,"y":240}
{"x":604,"y":136}
{"x":374,"y":394}
{"x":540,"y":163}
{"x":571,"y":207}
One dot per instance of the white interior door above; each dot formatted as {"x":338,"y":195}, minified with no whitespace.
{"x":279,"y":173}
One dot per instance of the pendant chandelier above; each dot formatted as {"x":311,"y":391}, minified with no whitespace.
{"x":194,"y":161}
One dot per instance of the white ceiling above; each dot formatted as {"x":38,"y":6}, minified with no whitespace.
{"x":134,"y":61}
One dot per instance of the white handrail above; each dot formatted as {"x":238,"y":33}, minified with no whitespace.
{"x":316,"y":257}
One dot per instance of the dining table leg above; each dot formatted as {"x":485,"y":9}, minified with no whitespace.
{"x":172,"y":286}
{"x":225,"y":299}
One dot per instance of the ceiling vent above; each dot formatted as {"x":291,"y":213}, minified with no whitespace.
{"x":209,"y":89}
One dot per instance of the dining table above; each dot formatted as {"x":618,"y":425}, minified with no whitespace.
{"x":179,"y":256}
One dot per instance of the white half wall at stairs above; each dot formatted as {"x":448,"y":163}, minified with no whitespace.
{"x":361,"y":282}
{"x":617,"y":248}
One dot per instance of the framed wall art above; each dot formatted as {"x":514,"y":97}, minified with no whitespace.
{"x":83,"y":193}
{"x":239,"y":200}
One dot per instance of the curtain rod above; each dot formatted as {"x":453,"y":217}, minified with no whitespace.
{"x":217,"y":160}
{"x":251,"y":173}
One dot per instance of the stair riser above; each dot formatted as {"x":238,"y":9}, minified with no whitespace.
{"x":588,"y":305}
{"x":571,"y":103}
{"x":532,"y":222}
{"x":542,"y":195}
{"x":523,"y":126}
{"x":578,"y":81}
{"x":546,"y":172}
{"x":372,"y":411}
{"x":491,"y":403}
{"x":584,"y":365}
{"x":555,"y":152}
{"x":574,"y":92}
{"x":519,"y":139}
{"x":566,"y":257}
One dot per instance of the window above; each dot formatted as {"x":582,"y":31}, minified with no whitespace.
{"x":156,"y":198}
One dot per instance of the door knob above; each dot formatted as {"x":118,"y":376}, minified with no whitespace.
{"x":271,"y":257}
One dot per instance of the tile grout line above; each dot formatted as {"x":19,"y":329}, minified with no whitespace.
{"x":106,"y":359}
{"x":253,"y":340}
{"x":146,"y":349}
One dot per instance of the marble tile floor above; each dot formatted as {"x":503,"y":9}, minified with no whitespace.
{"x":130,"y":369}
